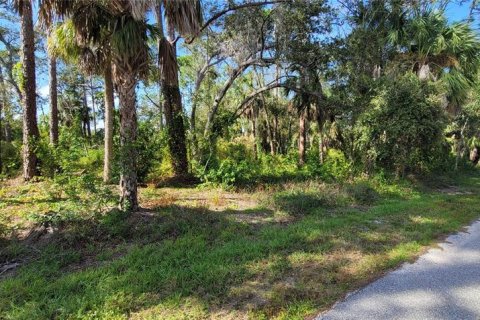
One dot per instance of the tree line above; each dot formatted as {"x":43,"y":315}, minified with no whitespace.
{"x":239,"y":90}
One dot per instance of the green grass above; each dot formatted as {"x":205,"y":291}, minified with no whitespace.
{"x":194,"y":262}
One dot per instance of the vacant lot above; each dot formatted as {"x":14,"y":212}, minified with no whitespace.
{"x":286,"y":251}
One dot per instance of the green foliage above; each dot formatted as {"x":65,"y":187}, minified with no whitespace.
{"x":336,"y":166}
{"x":279,"y":166}
{"x":86,"y":197}
{"x":403,"y":130}
{"x":152,"y":152}
{"x":10,"y":156}
{"x":230,"y":173}
{"x":115,"y":223}
{"x":184,"y":252}
{"x":363,"y":193}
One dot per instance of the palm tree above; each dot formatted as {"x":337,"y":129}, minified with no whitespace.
{"x":436,"y":50}
{"x":30,"y":128}
{"x":307,"y":95}
{"x":121,"y":24}
{"x":184,"y":16}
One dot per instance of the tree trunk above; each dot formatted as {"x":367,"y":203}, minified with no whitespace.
{"x":7,"y":129}
{"x":53,"y":102}
{"x":194,"y":147}
{"x":1,"y":108}
{"x":109,"y":114}
{"x":92,"y":92}
{"x":475,"y":156}
{"x":320,"y":147}
{"x":6,"y":111}
{"x":320,"y":123}
{"x":86,"y":115}
{"x":275,"y":134}
{"x":173,"y":110}
{"x":175,"y":128}
{"x":256,"y":131}
{"x":270,"y":130}
{"x":30,"y":128}
{"x":3,"y":103}
{"x":128,"y":138}
{"x":302,"y":137}
{"x":219,"y":97}
{"x":158,"y":17}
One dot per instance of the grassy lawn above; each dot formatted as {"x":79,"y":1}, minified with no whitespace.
{"x":287,"y":251}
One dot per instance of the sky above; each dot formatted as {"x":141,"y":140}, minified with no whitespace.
{"x":456,"y":12}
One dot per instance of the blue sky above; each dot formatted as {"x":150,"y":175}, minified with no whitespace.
{"x":456,"y":12}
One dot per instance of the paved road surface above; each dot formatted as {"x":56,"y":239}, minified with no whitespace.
{"x":444,"y":283}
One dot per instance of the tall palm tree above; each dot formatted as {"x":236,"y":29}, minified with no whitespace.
{"x":121,"y":23}
{"x":184,"y":17}
{"x":30,"y":128}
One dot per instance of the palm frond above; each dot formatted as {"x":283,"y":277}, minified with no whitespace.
{"x":186,"y":15}
{"x":61,"y":42}
{"x":129,"y":45}
{"x":52,"y":10}
{"x":91,"y":21}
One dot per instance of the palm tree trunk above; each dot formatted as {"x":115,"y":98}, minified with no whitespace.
{"x":158,"y":16}
{"x":53,"y":101}
{"x":2,"y":111}
{"x":1,"y":108}
{"x":30,"y":128}
{"x":92,"y":92}
{"x":86,"y":115}
{"x":176,"y":129}
{"x":109,"y":114}
{"x":174,"y":112}
{"x":128,"y":138}
{"x":302,"y":137}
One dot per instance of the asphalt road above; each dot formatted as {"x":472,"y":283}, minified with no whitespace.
{"x":444,"y":283}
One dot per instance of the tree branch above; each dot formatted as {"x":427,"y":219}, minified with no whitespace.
{"x":227,"y":10}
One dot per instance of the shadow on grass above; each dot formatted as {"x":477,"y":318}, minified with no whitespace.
{"x":30,"y":201}
{"x":176,"y":261}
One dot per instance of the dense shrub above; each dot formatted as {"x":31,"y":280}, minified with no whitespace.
{"x":153,"y":156}
{"x":230,"y":173}
{"x":403,"y":129}
{"x":10,"y":156}
{"x":336,"y":166}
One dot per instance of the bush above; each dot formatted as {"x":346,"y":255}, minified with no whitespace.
{"x":153,"y":155}
{"x":363,"y":193}
{"x":230,"y":173}
{"x":336,"y":166}
{"x":10,"y":156}
{"x":278,"y":165}
{"x":403,"y":130}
